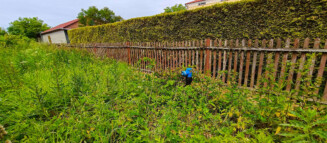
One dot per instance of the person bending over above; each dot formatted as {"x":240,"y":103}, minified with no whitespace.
{"x":188,"y":76}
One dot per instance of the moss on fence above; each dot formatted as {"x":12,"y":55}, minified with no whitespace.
{"x":244,"y":19}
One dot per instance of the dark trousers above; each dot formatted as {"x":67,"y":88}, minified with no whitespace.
{"x":188,"y":81}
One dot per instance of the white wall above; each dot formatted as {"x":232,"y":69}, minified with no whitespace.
{"x":57,"y":37}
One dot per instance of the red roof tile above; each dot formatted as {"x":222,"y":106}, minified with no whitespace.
{"x":195,"y":1}
{"x":61,"y":26}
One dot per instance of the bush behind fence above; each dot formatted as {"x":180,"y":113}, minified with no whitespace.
{"x":262,"y":19}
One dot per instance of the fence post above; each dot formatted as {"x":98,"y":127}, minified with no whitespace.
{"x":129,"y":53}
{"x":207,"y":61}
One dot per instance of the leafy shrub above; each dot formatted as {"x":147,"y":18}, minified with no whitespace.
{"x":243,"y":19}
{"x":9,"y":40}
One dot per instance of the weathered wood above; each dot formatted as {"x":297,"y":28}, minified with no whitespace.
{"x":254,"y":62}
{"x":189,"y":57}
{"x":262,"y":56}
{"x":276,"y":62}
{"x":197,"y":57}
{"x":219,"y":59}
{"x":268,"y":65}
{"x":214,"y":68}
{"x":321,"y":70}
{"x":292,"y":68}
{"x":230,"y":62}
{"x":284,"y":63}
{"x":240,"y":74}
{"x":224,"y":63}
{"x":201,"y":61}
{"x":247,"y":65}
{"x":236,"y":56}
{"x":313,"y":61}
{"x":207,"y":57}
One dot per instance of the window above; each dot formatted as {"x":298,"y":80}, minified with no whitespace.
{"x":202,"y":3}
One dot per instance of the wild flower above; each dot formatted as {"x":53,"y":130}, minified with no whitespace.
{"x":3,"y":132}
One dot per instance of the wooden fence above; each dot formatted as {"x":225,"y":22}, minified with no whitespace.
{"x":287,"y":62}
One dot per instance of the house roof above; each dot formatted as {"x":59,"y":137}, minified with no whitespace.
{"x":195,"y":1}
{"x":61,"y":26}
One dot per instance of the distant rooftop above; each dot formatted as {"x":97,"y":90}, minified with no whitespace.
{"x":61,"y":26}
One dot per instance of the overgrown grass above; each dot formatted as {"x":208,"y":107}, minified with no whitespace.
{"x":49,"y":94}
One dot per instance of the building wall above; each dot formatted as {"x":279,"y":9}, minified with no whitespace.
{"x":57,"y":37}
{"x":75,"y":25}
{"x":207,"y":3}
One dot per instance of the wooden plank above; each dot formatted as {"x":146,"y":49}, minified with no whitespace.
{"x":276,"y":62}
{"x":292,"y":68}
{"x":207,"y":57}
{"x":230,"y":62}
{"x":176,"y":57}
{"x":321,"y":71}
{"x":269,"y":62}
{"x":236,"y":56}
{"x":201,"y":61}
{"x":171,"y":59}
{"x":185,"y":54}
{"x":224,"y":63}
{"x":240,"y":74}
{"x":247,"y":65}
{"x":215,"y":60}
{"x":197,"y":56}
{"x":219,"y":59}
{"x":189,"y":57}
{"x":313,"y":61}
{"x":254,"y":63}
{"x":214,"y":68}
{"x":262,"y":56}
{"x":284,"y":63}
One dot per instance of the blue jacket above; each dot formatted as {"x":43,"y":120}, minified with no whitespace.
{"x":187,"y":73}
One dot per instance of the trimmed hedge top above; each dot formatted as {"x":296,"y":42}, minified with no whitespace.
{"x":262,"y":19}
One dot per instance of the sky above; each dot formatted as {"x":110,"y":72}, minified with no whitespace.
{"x":55,"y":12}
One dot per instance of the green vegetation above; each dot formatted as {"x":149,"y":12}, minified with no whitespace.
{"x":175,"y":8}
{"x":94,"y":16}
{"x":28,"y":27}
{"x":2,"y":32}
{"x":51,"y":94}
{"x":244,"y":19}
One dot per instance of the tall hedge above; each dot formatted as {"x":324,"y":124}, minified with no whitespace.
{"x":243,"y":19}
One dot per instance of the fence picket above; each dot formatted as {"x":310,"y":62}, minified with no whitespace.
{"x":313,"y":61}
{"x":276,"y":62}
{"x":262,"y":56}
{"x":236,"y":56}
{"x":247,"y":65}
{"x":292,"y":68}
{"x":224,"y":63}
{"x":240,"y":77}
{"x":284,"y":63}
{"x":254,"y":62}
{"x":321,"y":71}
{"x":221,"y":59}
{"x":230,"y":61}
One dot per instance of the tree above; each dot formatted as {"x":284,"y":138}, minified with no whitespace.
{"x":175,"y":8}
{"x":94,"y":16}
{"x":2,"y":32}
{"x":29,"y":27}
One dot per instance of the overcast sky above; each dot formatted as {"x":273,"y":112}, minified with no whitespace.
{"x":54,"y":12}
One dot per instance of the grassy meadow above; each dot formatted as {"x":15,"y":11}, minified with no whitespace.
{"x":58,"y":94}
